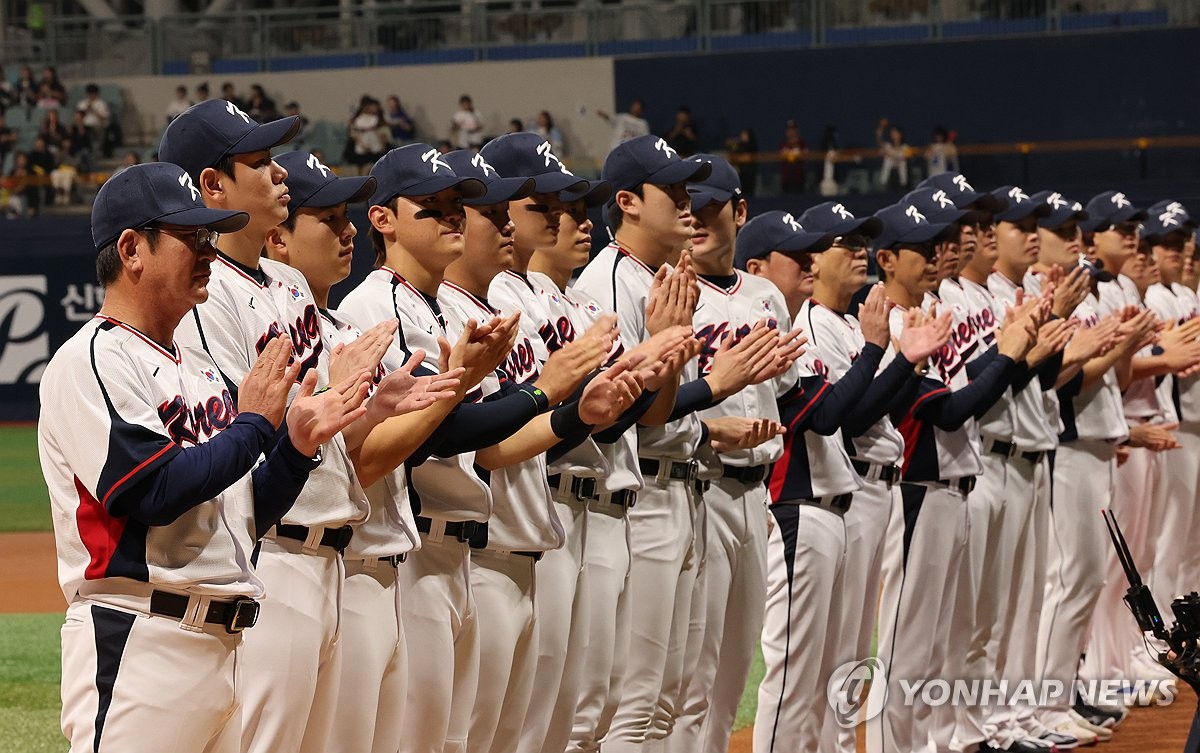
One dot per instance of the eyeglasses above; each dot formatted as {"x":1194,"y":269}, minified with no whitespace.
{"x":1067,"y":232}
{"x":852,"y":243}
{"x":203,"y":236}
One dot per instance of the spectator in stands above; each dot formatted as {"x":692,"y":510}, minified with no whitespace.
{"x":261,"y":107}
{"x":829,"y":185}
{"x":130,"y":159}
{"x":52,"y":131}
{"x":444,"y":146}
{"x":515,"y":126}
{"x":202,"y":91}
{"x":893,"y":176}
{"x":81,"y":142}
{"x":27,"y":87}
{"x":627,"y":125}
{"x":229,"y":94}
{"x":682,"y":136}
{"x":96,"y":114}
{"x":466,"y":129}
{"x":41,"y":163}
{"x":369,"y":135}
{"x":62,"y":177}
{"x":792,"y":170}
{"x":51,"y":92}
{"x":403,"y":130}
{"x":24,"y":197}
{"x":300,"y":141}
{"x":8,"y":92}
{"x":8,"y":139}
{"x":743,"y":152}
{"x":181,"y":102}
{"x":942,"y":154}
{"x":545,"y":129}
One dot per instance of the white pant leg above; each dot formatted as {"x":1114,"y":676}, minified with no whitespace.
{"x":687,"y":629}
{"x":1172,"y":545}
{"x":503,"y":586}
{"x":606,"y":568}
{"x":1078,"y":555}
{"x":291,"y":668}
{"x":866,"y":529}
{"x":374,"y":679}
{"x":561,"y":615}
{"x":660,"y":527}
{"x":133,"y":682}
{"x":806,"y":549}
{"x":1189,"y":564}
{"x":441,"y":631}
{"x":1115,"y":635}
{"x":926,"y":537}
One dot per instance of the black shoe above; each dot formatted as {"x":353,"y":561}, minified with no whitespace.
{"x":1059,"y":741}
{"x":1108,"y":716}
{"x":1019,"y":746}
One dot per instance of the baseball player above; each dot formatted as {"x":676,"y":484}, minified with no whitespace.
{"x":927,"y":534}
{"x":155,"y":533}
{"x":289,"y":672}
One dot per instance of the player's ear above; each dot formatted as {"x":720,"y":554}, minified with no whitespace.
{"x":276,"y":246}
{"x":739,"y":212}
{"x":629,"y":203}
{"x":885,"y":261}
{"x":757,"y":267}
{"x":130,"y":246}
{"x":210,"y":184}
{"x":382,"y":219}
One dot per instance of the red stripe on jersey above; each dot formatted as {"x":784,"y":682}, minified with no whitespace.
{"x":780,"y":469}
{"x":131,"y":474}
{"x":909,"y":428}
{"x":133,"y":330}
{"x":808,"y":406}
{"x":639,"y":262}
{"x":926,"y":396}
{"x":98,"y":531}
{"x":239,"y":271}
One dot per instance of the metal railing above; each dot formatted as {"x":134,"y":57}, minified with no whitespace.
{"x":461,"y":30}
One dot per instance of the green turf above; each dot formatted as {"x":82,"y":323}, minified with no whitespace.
{"x":745,"y":712}
{"x":29,"y":679}
{"x":24,"y":503}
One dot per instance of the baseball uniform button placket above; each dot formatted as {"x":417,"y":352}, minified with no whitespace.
{"x":888,"y":474}
{"x":334,"y":538}
{"x":749,"y":475}
{"x":1010,"y":450}
{"x":838,"y":503}
{"x":235,"y":614}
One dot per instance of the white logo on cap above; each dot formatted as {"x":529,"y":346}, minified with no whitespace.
{"x":1176,"y":208}
{"x":841,"y":211}
{"x":961,"y":182}
{"x":236,"y":111}
{"x":434,"y":160}
{"x":788,"y":219}
{"x":916,"y":215}
{"x":314,"y":164}
{"x":1120,"y":200}
{"x":185,"y":181}
{"x":1076,"y":207}
{"x":1167,"y":218}
{"x":942,"y":199}
{"x":665,"y":148}
{"x":1056,"y":200}
{"x":544,"y":150}
{"x":482,"y":164}
{"x":1017,"y":195}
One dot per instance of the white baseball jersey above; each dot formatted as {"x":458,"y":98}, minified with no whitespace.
{"x":523,"y":513}
{"x":962,"y":347}
{"x":116,"y":406}
{"x":835,"y":341}
{"x":389,"y":528}
{"x":620,"y":282}
{"x":547,"y":324}
{"x":1141,"y":398}
{"x":1096,"y":412}
{"x":444,"y":488}
{"x":247,"y":308}
{"x":734,"y":311}
{"x":1175,"y":305}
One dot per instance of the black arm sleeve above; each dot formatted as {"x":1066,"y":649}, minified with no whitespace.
{"x":905,"y":397}
{"x":878,"y":397}
{"x":196,"y":474}
{"x":691,"y":397}
{"x":839,"y":400}
{"x":1072,"y":388}
{"x":948,"y":410}
{"x":277,"y":483}
{"x":473,"y":426}
{"x":567,"y":425}
{"x":976,"y":367}
{"x":628,"y":419}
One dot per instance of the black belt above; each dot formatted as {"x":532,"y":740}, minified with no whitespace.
{"x":753,"y":474}
{"x":964,"y":484}
{"x":677,"y":472}
{"x":841,"y":502}
{"x":335,"y":538}
{"x":585,"y":490}
{"x":467,"y":531}
{"x":236,"y":614}
{"x":889,"y":474}
{"x":1008,"y":450}
{"x":535,"y":556}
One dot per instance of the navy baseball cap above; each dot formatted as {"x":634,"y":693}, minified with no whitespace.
{"x":469,"y":164}
{"x":1167,"y":216}
{"x":963,"y":194}
{"x":156,"y":192}
{"x":595,"y":193}
{"x":528,"y":155}
{"x":312,"y":184}
{"x":1062,"y":209}
{"x":937,"y":206}
{"x":209,"y":131}
{"x":776,"y":231}
{"x":1108,"y":209}
{"x":903,"y":223}
{"x":721,"y":185}
{"x":1020,"y":205}
{"x":649,"y":159}
{"x":834,"y":219}
{"x":418,"y":170}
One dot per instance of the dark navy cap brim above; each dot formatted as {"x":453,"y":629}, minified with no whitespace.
{"x":217,"y":220}
{"x":267,"y":136}
{"x":703,"y":195}
{"x":554,"y":182}
{"x":683,"y":171}
{"x":921,"y":233}
{"x":1018,"y":212}
{"x":985,"y":202}
{"x":596,"y":193}
{"x":871,"y":227}
{"x":472,"y":188}
{"x":498,"y":190}
{"x":339,"y":191}
{"x":805,"y":241}
{"x":1062,"y":217}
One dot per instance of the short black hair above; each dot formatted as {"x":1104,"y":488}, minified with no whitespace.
{"x":108,"y":261}
{"x":225,"y":166}
{"x":615,"y":216}
{"x":377,"y":241}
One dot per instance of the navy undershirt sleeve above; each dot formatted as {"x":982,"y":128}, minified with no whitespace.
{"x":949,"y":410}
{"x":196,"y":474}
{"x":691,"y":397}
{"x":473,"y":426}
{"x":628,"y":419}
{"x":568,"y":426}
{"x":840,"y":399}
{"x":1049,"y":370}
{"x":878,"y":397}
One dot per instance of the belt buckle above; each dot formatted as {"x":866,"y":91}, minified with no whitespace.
{"x":344,"y":535}
{"x":467,"y":530}
{"x":585,"y":488}
{"x":243,"y":613}
{"x":693,"y":471}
